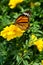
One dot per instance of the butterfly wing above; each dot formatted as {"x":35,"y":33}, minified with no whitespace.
{"x":23,"y":26}
{"x":22,"y":22}
{"x":22,"y":19}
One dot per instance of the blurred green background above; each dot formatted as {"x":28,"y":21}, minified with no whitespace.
{"x":16,"y":51}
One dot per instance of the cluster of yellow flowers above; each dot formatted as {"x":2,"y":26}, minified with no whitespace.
{"x":13,"y":3}
{"x":37,"y":42}
{"x":11,"y":32}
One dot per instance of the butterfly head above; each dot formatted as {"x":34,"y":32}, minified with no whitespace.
{"x":27,"y":13}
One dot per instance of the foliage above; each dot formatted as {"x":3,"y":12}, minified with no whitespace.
{"x":18,"y":51}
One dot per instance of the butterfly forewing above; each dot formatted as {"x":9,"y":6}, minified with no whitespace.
{"x":23,"y":21}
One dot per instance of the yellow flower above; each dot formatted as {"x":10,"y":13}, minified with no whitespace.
{"x":39,"y":44}
{"x":13,"y":3}
{"x":33,"y":38}
{"x":11,"y":32}
{"x":41,"y":62}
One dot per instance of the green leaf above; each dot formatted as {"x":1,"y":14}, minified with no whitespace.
{"x":35,"y":63}
{"x":25,"y":62}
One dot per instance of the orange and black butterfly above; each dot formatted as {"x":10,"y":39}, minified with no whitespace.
{"x":23,"y":21}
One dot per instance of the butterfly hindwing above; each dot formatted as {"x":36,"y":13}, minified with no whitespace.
{"x":23,"y":26}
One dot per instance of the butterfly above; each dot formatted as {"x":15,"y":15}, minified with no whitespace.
{"x":23,"y":21}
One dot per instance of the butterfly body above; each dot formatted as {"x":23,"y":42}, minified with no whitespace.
{"x":23,"y":21}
